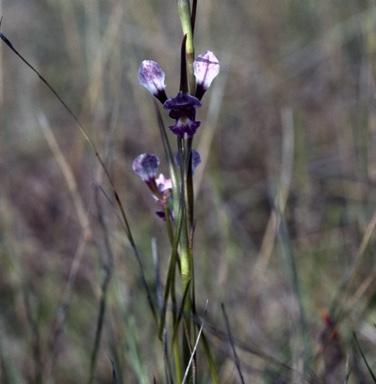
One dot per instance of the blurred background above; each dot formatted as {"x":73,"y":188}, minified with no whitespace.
{"x":285,"y":196}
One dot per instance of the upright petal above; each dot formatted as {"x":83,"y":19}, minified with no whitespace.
{"x":151,"y":76}
{"x":146,"y":166}
{"x":206,"y":68}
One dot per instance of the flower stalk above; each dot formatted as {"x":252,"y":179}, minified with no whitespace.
{"x":186,"y":24}
{"x":176,"y":194}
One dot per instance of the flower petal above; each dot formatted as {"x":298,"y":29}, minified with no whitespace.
{"x":185,"y":128}
{"x":151,"y":76}
{"x":163,"y":184}
{"x":206,"y":68}
{"x":146,"y":166}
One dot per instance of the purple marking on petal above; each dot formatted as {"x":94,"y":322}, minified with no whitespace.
{"x":151,"y":76}
{"x":206,"y":68}
{"x":146,"y":166}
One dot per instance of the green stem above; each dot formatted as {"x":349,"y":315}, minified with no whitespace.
{"x":185,"y":257}
{"x":186,"y":24}
{"x":186,"y":239}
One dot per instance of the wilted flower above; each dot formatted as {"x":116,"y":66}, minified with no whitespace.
{"x":206,"y":68}
{"x":151,"y":76}
{"x":182,"y":108}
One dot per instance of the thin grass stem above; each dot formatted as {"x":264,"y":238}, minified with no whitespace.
{"x":100,"y":322}
{"x":229,"y":333}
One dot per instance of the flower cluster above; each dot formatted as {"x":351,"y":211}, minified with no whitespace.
{"x":182,"y":107}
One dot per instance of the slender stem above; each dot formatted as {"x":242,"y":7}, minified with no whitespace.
{"x":185,"y":256}
{"x":189,"y":184}
{"x":185,"y":155}
{"x":175,"y":341}
{"x":184,"y":236}
{"x":186,"y":24}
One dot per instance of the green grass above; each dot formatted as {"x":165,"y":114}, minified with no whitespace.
{"x":289,"y":123}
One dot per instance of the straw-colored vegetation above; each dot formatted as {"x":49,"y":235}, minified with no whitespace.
{"x":285,"y":197}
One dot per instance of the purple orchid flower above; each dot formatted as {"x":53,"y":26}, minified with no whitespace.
{"x":182,"y":108}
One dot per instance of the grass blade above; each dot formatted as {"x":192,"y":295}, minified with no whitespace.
{"x":236,"y":358}
{"x":364,"y":358}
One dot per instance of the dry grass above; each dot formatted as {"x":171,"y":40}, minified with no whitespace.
{"x":288,"y":136}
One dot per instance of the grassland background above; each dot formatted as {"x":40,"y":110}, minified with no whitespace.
{"x":289,"y":123}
